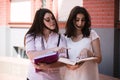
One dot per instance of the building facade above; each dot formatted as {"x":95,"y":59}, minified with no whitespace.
{"x":16,"y":17}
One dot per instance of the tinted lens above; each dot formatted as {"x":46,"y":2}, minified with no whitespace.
{"x":48,"y":19}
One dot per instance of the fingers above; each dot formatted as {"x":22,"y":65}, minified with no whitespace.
{"x":60,"y":49}
{"x":55,"y":49}
{"x":91,"y":54}
{"x":37,"y":66}
{"x":41,"y":66}
{"x":72,"y":67}
{"x":67,"y":48}
{"x":83,"y":54}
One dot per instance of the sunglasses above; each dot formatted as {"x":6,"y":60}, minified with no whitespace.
{"x":48,"y":19}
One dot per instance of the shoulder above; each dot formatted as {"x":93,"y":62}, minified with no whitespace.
{"x":93,"y":31}
{"x":94,"y":34}
{"x":29,"y":36}
{"x":58,"y":35}
{"x":63,"y":37}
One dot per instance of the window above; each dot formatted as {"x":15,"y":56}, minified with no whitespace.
{"x":20,"y":11}
{"x":43,"y":3}
{"x":64,"y":9}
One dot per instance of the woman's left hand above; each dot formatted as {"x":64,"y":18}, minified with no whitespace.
{"x":73,"y":67}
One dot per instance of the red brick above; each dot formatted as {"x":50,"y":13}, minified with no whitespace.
{"x":101,"y":11}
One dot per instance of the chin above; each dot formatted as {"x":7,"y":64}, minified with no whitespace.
{"x":79,"y":28}
{"x":52,"y":27}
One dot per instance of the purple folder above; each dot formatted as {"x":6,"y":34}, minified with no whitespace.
{"x":47,"y":58}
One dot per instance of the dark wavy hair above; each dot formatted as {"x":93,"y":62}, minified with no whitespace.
{"x":38,"y":24}
{"x":70,"y":28}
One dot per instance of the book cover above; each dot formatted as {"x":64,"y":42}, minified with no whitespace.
{"x":73,"y":62}
{"x":47,"y":58}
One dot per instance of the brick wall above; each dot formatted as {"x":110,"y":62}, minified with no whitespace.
{"x":101,"y":11}
{"x":4,"y":12}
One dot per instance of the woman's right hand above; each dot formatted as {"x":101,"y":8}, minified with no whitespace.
{"x":83,"y":53}
{"x":59,"y":49}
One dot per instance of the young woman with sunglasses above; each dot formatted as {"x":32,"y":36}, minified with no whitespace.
{"x":41,"y":38}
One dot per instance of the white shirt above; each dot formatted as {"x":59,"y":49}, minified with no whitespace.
{"x":89,"y":69}
{"x":35,"y":44}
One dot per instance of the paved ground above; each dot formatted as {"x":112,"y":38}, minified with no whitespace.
{"x":16,"y":69}
{"x":13,"y":68}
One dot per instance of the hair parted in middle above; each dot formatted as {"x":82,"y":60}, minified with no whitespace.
{"x":38,"y":24}
{"x":70,"y":28}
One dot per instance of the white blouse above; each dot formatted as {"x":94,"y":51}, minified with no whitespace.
{"x":76,"y":47}
{"x":89,"y":69}
{"x":35,"y":45}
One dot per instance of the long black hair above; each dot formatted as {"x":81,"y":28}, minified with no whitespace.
{"x":38,"y":25}
{"x":70,"y":28}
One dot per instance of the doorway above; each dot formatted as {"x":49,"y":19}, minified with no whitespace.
{"x":117,"y":40}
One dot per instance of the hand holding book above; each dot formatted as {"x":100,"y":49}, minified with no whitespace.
{"x":47,"y":58}
{"x":50,"y":57}
{"x":41,"y":67}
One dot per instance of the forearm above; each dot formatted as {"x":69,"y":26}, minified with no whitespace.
{"x":99,"y":59}
{"x":32,"y":54}
{"x":91,"y":54}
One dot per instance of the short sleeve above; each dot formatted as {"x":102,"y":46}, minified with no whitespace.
{"x":63,"y":43}
{"x":94,"y":35}
{"x":30,"y":43}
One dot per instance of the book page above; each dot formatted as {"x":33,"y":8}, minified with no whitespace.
{"x":86,"y":59}
{"x":67,"y":61}
{"x":73,"y":62}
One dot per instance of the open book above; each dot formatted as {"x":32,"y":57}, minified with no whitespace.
{"x":73,"y":62}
